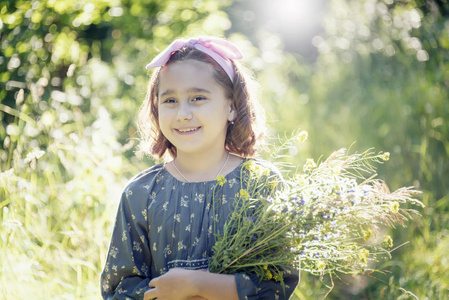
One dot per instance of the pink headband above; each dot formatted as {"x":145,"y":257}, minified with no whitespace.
{"x":221,"y":50}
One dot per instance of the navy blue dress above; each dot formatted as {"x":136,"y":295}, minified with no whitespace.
{"x":163,"y":223}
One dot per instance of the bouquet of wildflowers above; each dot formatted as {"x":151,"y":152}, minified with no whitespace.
{"x":327,"y":217}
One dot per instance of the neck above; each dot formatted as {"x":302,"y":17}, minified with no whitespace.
{"x":201,"y":167}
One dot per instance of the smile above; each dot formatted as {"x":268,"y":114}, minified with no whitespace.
{"x":187,"y":130}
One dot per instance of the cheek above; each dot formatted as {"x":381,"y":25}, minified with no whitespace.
{"x":164,"y":114}
{"x":164,"y":129}
{"x":163,"y":119}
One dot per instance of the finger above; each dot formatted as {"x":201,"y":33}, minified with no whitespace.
{"x":150,"y":294}
{"x":152,"y":282}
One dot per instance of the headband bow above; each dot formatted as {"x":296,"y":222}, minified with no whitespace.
{"x":221,"y":50}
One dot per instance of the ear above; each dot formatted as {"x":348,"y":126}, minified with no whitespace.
{"x":231,"y":111}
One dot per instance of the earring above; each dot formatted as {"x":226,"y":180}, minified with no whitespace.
{"x":232,"y":122}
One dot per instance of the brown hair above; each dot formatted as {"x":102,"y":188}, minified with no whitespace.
{"x":242,"y":138}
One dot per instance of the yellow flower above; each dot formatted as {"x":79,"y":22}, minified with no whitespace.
{"x":385,"y":156}
{"x":221,"y":180}
{"x":310,"y":164}
{"x":363,"y":255}
{"x":321,"y":265}
{"x":244,"y":194}
{"x":249,"y":165}
{"x":268,"y":274}
{"x":388,"y":241}
{"x":394,"y":207}
{"x":302,"y":136}
{"x":367,"y":234}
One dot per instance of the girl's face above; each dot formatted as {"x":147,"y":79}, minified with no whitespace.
{"x":193,"y":109}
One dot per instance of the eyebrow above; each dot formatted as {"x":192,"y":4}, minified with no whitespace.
{"x":191,"y":90}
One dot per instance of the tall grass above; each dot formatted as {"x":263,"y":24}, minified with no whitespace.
{"x":57,"y":204}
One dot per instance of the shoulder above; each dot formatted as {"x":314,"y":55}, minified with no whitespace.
{"x":146,"y":175}
{"x":144,"y":181}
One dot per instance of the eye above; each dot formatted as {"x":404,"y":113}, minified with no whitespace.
{"x":169,"y":101}
{"x":199,"y":98}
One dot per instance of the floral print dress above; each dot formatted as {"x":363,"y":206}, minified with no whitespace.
{"x":163,"y":223}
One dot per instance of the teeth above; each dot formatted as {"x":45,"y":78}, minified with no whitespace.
{"x":187,"y":130}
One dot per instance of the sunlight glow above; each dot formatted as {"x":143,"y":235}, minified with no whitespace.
{"x":292,"y":14}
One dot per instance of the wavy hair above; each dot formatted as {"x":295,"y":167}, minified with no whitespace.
{"x":242,"y":138}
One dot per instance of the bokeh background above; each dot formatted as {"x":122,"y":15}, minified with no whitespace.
{"x":72,"y":77}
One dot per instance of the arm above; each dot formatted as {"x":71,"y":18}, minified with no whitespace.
{"x":127,"y":268}
{"x":195,"y":284}
{"x":184,"y":284}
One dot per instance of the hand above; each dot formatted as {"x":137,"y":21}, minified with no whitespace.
{"x":176,"y":284}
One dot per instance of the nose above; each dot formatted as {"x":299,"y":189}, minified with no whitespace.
{"x":184,"y":111}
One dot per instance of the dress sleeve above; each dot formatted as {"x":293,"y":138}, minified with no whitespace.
{"x":127,"y":270}
{"x":250,"y":287}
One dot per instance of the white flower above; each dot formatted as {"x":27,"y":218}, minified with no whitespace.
{"x":35,"y":154}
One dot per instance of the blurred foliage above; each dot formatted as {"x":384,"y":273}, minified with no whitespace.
{"x":381,"y":79}
{"x":72,"y":77}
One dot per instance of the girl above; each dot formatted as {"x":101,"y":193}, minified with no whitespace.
{"x":199,"y":109}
